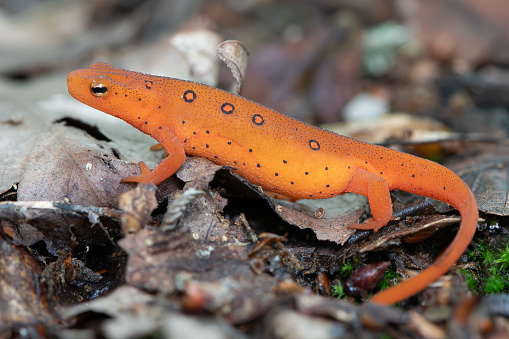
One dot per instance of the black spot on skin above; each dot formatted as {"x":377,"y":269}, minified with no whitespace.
{"x":159,"y":107}
{"x":258,"y":165}
{"x":183,"y":122}
{"x":229,"y":142}
{"x":258,"y":119}
{"x":160,"y":127}
{"x":315,"y":146}
{"x":306,"y":173}
{"x":326,"y":168}
{"x":194,"y":147}
{"x":216,"y":157}
{"x":139,"y":99}
{"x":227,"y":108}
{"x":444,"y":188}
{"x":327,"y":185}
{"x":291,"y":182}
{"x":276,"y":174}
{"x":125,"y":95}
{"x":185,"y":140}
{"x":146,"y":122}
{"x":250,"y":150}
{"x":285,"y":162}
{"x":139,"y":117}
{"x":194,"y":133}
{"x":244,"y":163}
{"x":348,"y":167}
{"x":189,"y":96}
{"x":366,"y":162}
{"x":206,"y":145}
{"x":208,"y":132}
{"x":413,"y":175}
{"x":381,"y":173}
{"x":235,"y":163}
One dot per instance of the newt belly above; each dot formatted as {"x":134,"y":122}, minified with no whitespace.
{"x":274,"y":151}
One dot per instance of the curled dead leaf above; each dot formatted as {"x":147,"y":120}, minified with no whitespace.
{"x":235,"y":55}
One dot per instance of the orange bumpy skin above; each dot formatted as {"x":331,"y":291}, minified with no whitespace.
{"x":269,"y":149}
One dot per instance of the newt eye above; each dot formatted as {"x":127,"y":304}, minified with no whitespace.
{"x":98,"y":89}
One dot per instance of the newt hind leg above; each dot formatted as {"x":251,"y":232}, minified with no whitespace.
{"x":376,"y":190}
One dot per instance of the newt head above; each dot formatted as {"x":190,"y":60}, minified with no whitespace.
{"x":120,"y":93}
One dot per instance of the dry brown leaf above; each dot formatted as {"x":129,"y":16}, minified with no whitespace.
{"x":66,"y":163}
{"x":487,"y":175}
{"x":137,"y":206}
{"x":335,"y":230}
{"x":20,"y":271}
{"x":220,"y":270}
{"x":130,"y":312}
{"x":387,"y":236}
{"x":49,"y":221}
{"x":235,"y":55}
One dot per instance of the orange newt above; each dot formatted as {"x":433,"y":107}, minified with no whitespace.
{"x":274,"y":151}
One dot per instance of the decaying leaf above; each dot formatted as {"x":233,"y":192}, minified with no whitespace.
{"x":20,"y":271}
{"x":68,"y":164}
{"x":488,"y":176}
{"x":131,"y":312}
{"x":212,"y":275}
{"x":235,"y":55}
{"x":43,"y":216}
{"x":387,"y":237}
{"x":137,"y":206}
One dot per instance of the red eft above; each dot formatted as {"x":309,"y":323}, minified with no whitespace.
{"x":274,"y":151}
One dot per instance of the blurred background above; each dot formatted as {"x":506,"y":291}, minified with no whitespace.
{"x":320,"y":61}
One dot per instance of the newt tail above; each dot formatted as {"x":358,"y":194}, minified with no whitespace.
{"x":464,"y":202}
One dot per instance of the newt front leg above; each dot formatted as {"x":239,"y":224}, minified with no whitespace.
{"x":175,"y":159}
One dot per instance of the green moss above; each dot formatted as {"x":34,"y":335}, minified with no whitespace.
{"x":471,"y":281}
{"x":347,"y":269}
{"x":391,"y":278}
{"x":338,"y":290}
{"x":503,"y":259}
{"x":495,"y":284}
{"x":492,"y":275}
